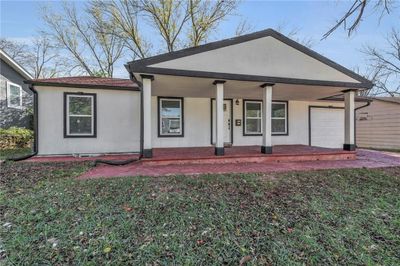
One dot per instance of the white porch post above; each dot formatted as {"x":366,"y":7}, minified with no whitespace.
{"x":219,"y":103}
{"x":349,"y":144}
{"x":147,"y":146}
{"x":266,"y":118}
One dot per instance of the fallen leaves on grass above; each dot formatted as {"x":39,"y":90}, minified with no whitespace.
{"x":107,"y":250}
{"x":244,"y":260}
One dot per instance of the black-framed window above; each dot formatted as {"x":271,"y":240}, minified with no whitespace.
{"x":279,"y":118}
{"x":80,"y":115}
{"x":252,"y":118}
{"x":170,"y":117}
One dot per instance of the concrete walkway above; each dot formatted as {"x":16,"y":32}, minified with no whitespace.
{"x":365,"y":158}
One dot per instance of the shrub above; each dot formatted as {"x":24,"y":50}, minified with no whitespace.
{"x":15,"y":137}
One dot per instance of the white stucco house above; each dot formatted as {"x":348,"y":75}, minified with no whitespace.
{"x":259,"y":89}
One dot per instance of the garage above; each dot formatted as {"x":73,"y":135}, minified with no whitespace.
{"x":326,"y":126}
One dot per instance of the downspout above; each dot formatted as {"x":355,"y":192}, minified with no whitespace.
{"x":355,"y":119}
{"x":35,"y":128}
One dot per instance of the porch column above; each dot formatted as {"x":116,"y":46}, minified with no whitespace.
{"x":266,"y":118}
{"x":219,"y":103}
{"x":146,"y":101}
{"x":349,"y":144}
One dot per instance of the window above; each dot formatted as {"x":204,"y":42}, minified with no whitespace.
{"x":14,"y":95}
{"x":80,"y":115}
{"x":252,"y":116}
{"x":170,"y":113}
{"x":279,"y":118}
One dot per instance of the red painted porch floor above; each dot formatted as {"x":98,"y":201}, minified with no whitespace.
{"x":201,"y":155}
{"x":245,"y":154}
{"x":365,"y":158}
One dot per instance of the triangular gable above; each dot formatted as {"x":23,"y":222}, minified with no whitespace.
{"x":264,"y":56}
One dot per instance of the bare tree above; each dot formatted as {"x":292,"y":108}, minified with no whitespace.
{"x":44,"y":60}
{"x":168,"y":17}
{"x":244,"y":27}
{"x":180,"y":23}
{"x":40,"y":58}
{"x":205,"y":16}
{"x":357,"y":11}
{"x":89,"y":40}
{"x":125,"y":16}
{"x":16,"y":50}
{"x":385,"y":66}
{"x":294,"y":33}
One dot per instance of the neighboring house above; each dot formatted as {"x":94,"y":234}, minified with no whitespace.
{"x":15,"y":96}
{"x":378,"y":125}
{"x":258,"y":89}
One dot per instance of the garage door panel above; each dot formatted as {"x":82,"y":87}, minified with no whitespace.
{"x":327,"y":127}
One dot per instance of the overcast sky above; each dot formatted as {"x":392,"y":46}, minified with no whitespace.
{"x":20,"y":20}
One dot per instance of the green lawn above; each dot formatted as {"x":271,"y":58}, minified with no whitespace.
{"x":13,"y":153}
{"x":320,"y":217}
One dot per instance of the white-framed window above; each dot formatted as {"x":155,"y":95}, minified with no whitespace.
{"x":279,"y":118}
{"x":80,"y":115}
{"x":14,"y":95}
{"x":170,"y":117}
{"x":252,"y":116}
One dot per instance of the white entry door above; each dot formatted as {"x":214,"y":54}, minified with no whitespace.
{"x":227,"y":121}
{"x":327,"y":127}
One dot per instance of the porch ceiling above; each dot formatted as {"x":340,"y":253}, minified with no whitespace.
{"x":178,"y":86}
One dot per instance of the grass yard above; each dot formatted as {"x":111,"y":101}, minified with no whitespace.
{"x":321,"y":217}
{"x":13,"y":153}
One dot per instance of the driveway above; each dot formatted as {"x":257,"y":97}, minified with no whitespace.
{"x":365,"y":158}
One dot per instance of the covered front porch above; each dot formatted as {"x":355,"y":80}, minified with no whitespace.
{"x":240,"y":118}
{"x":260,"y":90}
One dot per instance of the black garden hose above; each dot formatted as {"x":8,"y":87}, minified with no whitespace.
{"x":116,"y":162}
{"x":21,"y":158}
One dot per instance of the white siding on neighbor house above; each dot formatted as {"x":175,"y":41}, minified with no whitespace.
{"x":378,"y":126}
{"x":118,"y":127}
{"x":197,"y":125}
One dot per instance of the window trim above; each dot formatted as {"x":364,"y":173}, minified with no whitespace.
{"x":245,"y":118}
{"x":260,"y":134}
{"x":66,"y":115}
{"x":9,"y":83}
{"x":286,"y":133}
{"x":182,"y":134}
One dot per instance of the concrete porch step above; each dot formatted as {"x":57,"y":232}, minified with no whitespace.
{"x":261,"y":158}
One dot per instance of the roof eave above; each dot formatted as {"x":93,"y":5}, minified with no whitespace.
{"x":241,"y":77}
{"x":80,"y":86}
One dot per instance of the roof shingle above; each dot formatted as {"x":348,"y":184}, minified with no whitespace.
{"x":87,"y":81}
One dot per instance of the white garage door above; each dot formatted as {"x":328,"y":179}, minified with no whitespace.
{"x":327,"y":127}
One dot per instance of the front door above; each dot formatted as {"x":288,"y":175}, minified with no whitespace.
{"x":227,"y":122}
